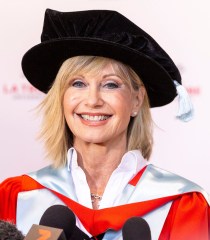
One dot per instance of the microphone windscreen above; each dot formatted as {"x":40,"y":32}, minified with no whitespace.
{"x":136,"y":228}
{"x":59,"y":216}
{"x":9,"y":231}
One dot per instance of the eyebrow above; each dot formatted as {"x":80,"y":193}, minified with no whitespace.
{"x":111,"y":74}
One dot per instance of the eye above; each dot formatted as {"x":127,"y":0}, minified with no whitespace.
{"x":111,"y":85}
{"x":78,"y":84}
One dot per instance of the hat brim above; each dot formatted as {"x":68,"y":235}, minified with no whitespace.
{"x":41,"y":63}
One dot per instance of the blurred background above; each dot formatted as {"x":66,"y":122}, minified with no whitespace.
{"x":180,"y":27}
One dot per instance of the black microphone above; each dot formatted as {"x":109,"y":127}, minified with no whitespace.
{"x":60,"y":216}
{"x":9,"y":230}
{"x":136,"y":228}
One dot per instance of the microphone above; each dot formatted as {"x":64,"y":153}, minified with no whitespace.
{"x":136,"y":228}
{"x":57,"y":223}
{"x":9,"y":231}
{"x":59,"y":216}
{"x":62,"y":217}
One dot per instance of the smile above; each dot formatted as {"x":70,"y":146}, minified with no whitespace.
{"x":94,"y":117}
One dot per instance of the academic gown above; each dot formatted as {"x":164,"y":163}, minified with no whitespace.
{"x":174,"y":207}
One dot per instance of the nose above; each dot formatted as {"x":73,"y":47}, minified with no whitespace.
{"x":94,"y":98}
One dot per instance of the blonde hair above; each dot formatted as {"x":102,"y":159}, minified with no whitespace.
{"x":58,"y":138}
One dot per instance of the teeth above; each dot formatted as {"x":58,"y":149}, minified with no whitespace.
{"x":94,"y":118}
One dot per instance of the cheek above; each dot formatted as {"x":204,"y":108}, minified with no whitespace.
{"x":122,"y":103}
{"x":70,"y":101}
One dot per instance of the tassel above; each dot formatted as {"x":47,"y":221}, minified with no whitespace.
{"x":185,"y":112}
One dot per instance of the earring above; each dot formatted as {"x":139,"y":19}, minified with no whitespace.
{"x":134,"y":114}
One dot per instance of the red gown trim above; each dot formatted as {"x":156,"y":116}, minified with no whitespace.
{"x":189,"y":216}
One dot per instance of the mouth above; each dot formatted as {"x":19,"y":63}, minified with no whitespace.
{"x":94,"y":118}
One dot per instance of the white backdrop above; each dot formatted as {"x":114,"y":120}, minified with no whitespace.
{"x":180,"y":27}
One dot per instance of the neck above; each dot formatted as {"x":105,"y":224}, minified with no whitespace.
{"x":98,"y":161}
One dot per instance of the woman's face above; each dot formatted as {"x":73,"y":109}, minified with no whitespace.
{"x":98,"y":108}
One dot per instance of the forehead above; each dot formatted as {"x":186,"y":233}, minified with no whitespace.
{"x":96,"y":68}
{"x":100,"y":71}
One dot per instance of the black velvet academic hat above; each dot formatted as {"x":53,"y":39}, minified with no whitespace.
{"x":100,"y":33}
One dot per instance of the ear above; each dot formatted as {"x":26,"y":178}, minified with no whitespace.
{"x":138,"y":98}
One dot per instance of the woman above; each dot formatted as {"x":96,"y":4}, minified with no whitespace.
{"x":102,"y":73}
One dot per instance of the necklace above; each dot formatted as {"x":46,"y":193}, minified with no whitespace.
{"x":95,"y":197}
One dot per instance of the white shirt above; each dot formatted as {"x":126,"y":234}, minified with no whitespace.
{"x":132,"y":162}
